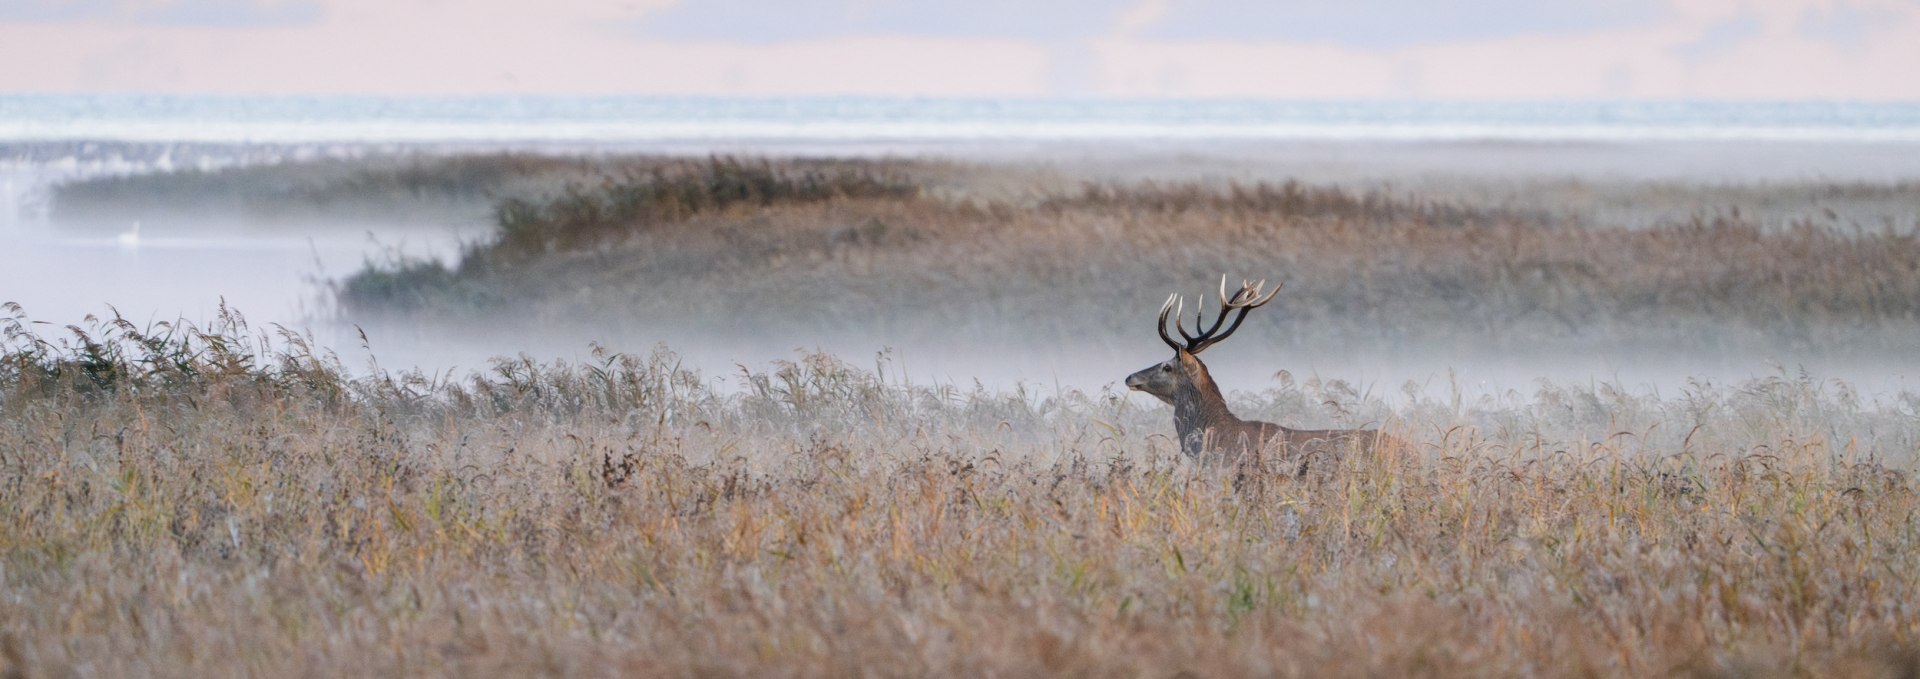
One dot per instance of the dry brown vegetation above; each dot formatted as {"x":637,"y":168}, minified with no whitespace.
{"x":907,"y":250}
{"x":853,"y":246}
{"x":189,"y":501}
{"x":193,"y":501}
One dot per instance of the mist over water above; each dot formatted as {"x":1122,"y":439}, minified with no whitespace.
{"x":161,"y":267}
{"x":274,"y":271}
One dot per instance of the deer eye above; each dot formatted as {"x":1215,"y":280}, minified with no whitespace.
{"x":1166,"y":368}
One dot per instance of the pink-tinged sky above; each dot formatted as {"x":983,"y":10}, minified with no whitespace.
{"x":1290,"y":49}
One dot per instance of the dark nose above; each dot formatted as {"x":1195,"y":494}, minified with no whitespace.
{"x":1134,"y":381}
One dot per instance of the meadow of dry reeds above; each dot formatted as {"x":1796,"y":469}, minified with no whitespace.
{"x":904,"y":250}
{"x":908,"y":250}
{"x":217,"y":500}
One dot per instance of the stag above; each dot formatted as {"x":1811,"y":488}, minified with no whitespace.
{"x":1208,"y":431}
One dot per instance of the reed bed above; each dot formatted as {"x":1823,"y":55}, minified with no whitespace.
{"x":911,"y":250}
{"x":875,"y":250}
{"x":194,"y":499}
{"x":189,"y":500}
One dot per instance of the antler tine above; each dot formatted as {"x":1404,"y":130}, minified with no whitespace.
{"x":1246,"y":299}
{"x":1165,"y":309}
{"x":1180,"y":326}
{"x":1199,"y":312}
{"x":1249,"y":295}
{"x":1270,"y":295}
{"x":1199,"y":316}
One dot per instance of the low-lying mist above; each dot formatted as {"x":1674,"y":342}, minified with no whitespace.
{"x":813,"y":417}
{"x":1006,"y":272}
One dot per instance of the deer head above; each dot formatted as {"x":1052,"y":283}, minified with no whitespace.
{"x":1183,"y":378}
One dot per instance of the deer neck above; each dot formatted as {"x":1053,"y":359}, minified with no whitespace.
{"x":1199,"y":408}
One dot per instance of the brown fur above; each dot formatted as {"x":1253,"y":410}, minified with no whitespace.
{"x":1209,"y":432}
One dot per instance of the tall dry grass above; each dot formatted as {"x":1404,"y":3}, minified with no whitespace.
{"x":865,"y":254}
{"x":910,"y":250}
{"x":192,"y":501}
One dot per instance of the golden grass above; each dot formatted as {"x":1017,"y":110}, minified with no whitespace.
{"x":190,"y":501}
{"x":203,"y":501}
{"x":909,"y":250}
{"x":1363,"y":269}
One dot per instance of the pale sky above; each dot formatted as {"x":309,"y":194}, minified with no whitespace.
{"x":1284,"y":49}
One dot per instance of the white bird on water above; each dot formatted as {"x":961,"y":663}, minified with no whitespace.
{"x":129,"y":240}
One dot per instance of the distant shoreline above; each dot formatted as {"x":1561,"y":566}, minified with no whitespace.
{"x":1693,"y":161}
{"x":1584,"y":257}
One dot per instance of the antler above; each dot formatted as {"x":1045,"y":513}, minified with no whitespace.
{"x":1246,"y":299}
